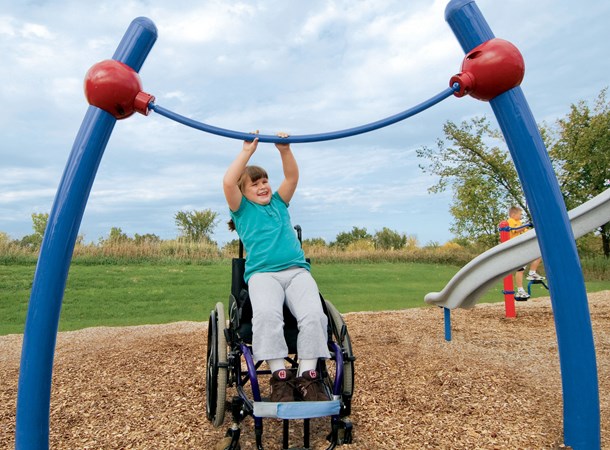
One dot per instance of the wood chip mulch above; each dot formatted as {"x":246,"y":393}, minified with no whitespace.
{"x":496,"y":385}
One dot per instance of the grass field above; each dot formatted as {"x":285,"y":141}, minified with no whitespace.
{"x":134,"y":294}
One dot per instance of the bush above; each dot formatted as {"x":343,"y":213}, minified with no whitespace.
{"x":387,"y":239}
{"x":360,"y":245}
{"x":128,"y":251}
{"x":589,"y":245}
{"x":451,"y":246}
{"x":151,"y":250}
{"x":12,"y":252}
{"x":231,"y":249}
{"x":344,"y":239}
{"x":5,"y":239}
{"x":596,"y":268}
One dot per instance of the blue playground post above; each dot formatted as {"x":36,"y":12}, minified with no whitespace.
{"x":581,"y":412}
{"x":447,"y":316}
{"x":34,"y":389}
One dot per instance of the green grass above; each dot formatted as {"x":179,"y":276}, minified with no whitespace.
{"x":134,"y":294}
{"x":119,"y":295}
{"x":380,"y":286}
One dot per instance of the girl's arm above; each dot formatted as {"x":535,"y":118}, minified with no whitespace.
{"x":229,"y":182}
{"x":291,"y":171}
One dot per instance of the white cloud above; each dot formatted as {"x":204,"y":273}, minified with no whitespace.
{"x":34,"y":30}
{"x":7,"y":27}
{"x":212,"y":21}
{"x":28,"y":194}
{"x":16,"y":175}
{"x":65,"y":92}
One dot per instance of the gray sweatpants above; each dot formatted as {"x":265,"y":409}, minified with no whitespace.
{"x":297,"y":288}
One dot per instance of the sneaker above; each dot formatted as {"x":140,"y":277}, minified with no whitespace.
{"x":521,"y":295}
{"x":282,"y":386}
{"x":533,"y":276}
{"x":310,"y":387}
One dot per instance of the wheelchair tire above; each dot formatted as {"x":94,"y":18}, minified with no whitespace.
{"x":346,"y":344}
{"x":216,"y":367}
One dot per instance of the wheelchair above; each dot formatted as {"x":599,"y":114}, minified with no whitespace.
{"x":231,"y":341}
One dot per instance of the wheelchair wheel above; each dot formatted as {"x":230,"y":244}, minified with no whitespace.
{"x":343,"y":340}
{"x":216,"y":367}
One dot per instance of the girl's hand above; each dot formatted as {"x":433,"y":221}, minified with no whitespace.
{"x":250,"y":146}
{"x":282,"y":147}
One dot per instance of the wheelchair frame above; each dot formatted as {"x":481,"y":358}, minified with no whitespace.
{"x":229,"y":342}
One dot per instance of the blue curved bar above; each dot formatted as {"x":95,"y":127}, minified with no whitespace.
{"x":581,"y":412}
{"x":34,"y":388}
{"x":307,"y":137}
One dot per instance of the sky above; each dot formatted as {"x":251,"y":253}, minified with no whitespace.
{"x":272,"y":65}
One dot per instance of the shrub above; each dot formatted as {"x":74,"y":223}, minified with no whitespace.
{"x":387,"y":239}
{"x":360,"y":245}
{"x":344,"y":239}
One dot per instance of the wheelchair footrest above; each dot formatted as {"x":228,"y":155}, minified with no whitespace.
{"x":297,"y":410}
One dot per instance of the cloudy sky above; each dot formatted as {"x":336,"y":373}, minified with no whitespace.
{"x":302,"y":67}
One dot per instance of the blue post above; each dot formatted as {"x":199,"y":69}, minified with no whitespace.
{"x":34,"y":389}
{"x":581,"y":412}
{"x":447,"y":313}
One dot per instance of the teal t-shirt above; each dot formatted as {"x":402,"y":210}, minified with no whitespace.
{"x":269,"y":240}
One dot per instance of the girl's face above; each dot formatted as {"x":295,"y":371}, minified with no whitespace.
{"x":258,"y":191}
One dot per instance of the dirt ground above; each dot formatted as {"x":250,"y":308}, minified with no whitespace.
{"x":496,"y":385}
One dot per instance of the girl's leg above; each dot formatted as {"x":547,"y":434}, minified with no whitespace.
{"x":305,"y":365}
{"x":276,"y":364}
{"x":303,"y":300}
{"x":267,"y":299}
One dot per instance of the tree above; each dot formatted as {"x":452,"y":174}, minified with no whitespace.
{"x":5,"y":239}
{"x":387,"y":239}
{"x":148,"y":238}
{"x":482,"y":177}
{"x":580,"y":152}
{"x":39,"y":224}
{"x":477,"y":209}
{"x":116,"y":236}
{"x":196,"y":226}
{"x":231,"y":248}
{"x":314,"y":242}
{"x":344,"y":239}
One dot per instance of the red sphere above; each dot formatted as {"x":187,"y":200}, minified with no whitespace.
{"x":490,"y":69}
{"x":113,"y":86}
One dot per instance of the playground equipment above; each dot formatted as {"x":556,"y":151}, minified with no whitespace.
{"x":491,"y":70}
{"x":480,"y":274}
{"x":532,"y":282}
{"x":224,"y":368}
{"x":509,"y":288}
{"x":509,"y":291}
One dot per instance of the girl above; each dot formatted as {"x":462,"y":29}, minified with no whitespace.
{"x":277,"y":273}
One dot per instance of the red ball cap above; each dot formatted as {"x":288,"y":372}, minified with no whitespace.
{"x":113,"y":86}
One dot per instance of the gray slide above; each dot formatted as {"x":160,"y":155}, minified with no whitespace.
{"x":480,"y":274}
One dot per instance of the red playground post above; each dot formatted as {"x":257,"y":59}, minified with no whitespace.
{"x":509,"y":290}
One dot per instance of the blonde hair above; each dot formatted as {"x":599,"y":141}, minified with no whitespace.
{"x":514,"y":210}
{"x":254,"y":173}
